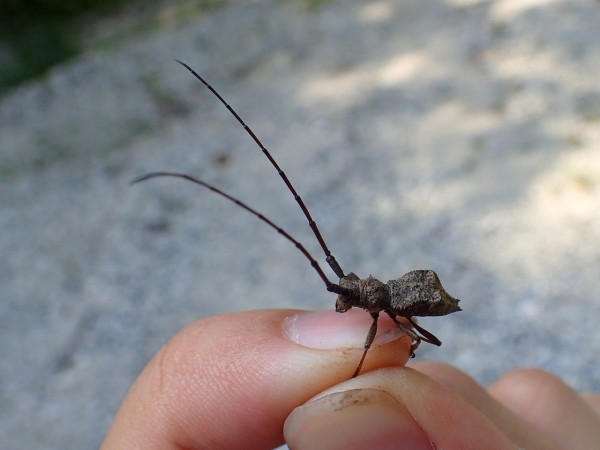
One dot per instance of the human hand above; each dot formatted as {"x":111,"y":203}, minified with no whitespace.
{"x":231,"y":382}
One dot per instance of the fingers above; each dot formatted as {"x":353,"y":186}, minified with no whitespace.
{"x":593,"y":401}
{"x":391,"y":408}
{"x":518,"y":431}
{"x":438,"y":406}
{"x":230,"y":381}
{"x":551,"y":406}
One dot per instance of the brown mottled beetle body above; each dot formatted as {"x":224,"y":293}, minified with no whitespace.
{"x":416,"y":293}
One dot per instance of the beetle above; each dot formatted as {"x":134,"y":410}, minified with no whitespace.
{"x":416,"y":293}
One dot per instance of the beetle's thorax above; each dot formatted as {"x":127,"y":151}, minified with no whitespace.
{"x":369,"y":294}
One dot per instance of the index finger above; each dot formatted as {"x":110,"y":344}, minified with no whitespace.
{"x":230,"y":381}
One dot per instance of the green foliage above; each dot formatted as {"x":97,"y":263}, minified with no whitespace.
{"x":60,"y":7}
{"x":37,"y":34}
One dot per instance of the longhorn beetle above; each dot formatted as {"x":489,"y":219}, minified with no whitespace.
{"x":416,"y":293}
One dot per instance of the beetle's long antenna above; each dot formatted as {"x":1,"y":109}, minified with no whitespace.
{"x":331,"y":287}
{"x":313,"y":225}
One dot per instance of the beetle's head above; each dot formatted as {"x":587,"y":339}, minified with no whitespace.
{"x":342,"y":304}
{"x":348,"y":297}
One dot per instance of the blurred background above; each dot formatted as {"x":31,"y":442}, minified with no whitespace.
{"x":460,"y":136}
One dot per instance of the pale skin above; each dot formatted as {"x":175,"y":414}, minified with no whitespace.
{"x":245,"y":381}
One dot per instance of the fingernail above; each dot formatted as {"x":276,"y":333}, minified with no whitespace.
{"x":329,"y":329}
{"x":358,"y":418}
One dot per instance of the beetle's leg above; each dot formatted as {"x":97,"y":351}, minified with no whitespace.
{"x":414,"y":347}
{"x":416,"y":339}
{"x":405,"y":328}
{"x":427,"y":336}
{"x":368,"y":342}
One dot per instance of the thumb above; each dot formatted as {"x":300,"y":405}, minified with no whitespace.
{"x":230,"y":381}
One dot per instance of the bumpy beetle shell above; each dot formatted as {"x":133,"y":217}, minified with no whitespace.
{"x":420,"y":293}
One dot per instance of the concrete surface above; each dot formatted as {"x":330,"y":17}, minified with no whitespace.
{"x":461,"y":136}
